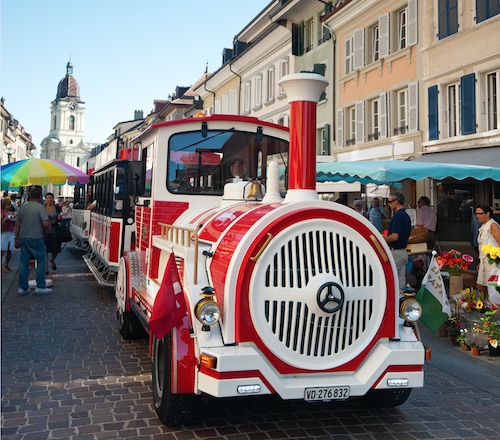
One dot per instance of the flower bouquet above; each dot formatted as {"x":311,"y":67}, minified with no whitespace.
{"x":471,"y":300}
{"x":492,"y":253}
{"x":454,"y":262}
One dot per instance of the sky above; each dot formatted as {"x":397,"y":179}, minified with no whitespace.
{"x":125,"y":54}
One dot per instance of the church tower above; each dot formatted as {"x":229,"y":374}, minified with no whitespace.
{"x":65,"y":140}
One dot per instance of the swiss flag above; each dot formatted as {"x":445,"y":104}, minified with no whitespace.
{"x":170,"y":305}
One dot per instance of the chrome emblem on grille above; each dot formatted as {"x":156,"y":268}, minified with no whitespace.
{"x":330,"y":297}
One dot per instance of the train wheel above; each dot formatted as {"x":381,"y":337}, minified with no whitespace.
{"x":171,"y":409}
{"x":130,"y":327}
{"x":386,"y":398}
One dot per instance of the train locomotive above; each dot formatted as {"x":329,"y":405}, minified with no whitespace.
{"x":251,"y":285}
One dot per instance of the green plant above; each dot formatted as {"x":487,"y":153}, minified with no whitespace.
{"x":454,"y":326}
{"x":490,"y":328}
{"x":476,"y":339}
{"x":462,"y":334}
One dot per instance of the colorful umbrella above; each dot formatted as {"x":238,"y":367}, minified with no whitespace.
{"x":40,"y":172}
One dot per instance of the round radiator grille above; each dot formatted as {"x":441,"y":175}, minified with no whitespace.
{"x":318,"y":294}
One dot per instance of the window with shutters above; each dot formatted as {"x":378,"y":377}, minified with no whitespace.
{"x":404,"y":26}
{"x":258,"y":92}
{"x":452,"y":113}
{"x":401,"y":17}
{"x":384,"y":112}
{"x":373,"y":43}
{"x":309,"y":35}
{"x":297,"y":39}
{"x":401,"y":112}
{"x":271,"y":84}
{"x":359,"y":49}
{"x":340,"y":127}
{"x":486,"y":9}
{"x":350,"y":131}
{"x":247,"y":102}
{"x":433,"y":112}
{"x":283,"y":71}
{"x":348,"y":55}
{"x":468,"y":104}
{"x":447,"y":18}
{"x":360,"y":122}
{"x":217,"y":105}
{"x":373,"y":119}
{"x":323,"y":136}
{"x":284,"y":120}
{"x":492,"y":101}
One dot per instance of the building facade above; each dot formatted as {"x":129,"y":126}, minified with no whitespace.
{"x":16,"y":142}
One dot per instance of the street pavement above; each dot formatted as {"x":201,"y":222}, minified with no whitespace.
{"x":67,"y":374}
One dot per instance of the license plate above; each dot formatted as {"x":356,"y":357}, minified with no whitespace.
{"x":326,"y":393}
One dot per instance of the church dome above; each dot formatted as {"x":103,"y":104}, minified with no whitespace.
{"x":68,"y":87}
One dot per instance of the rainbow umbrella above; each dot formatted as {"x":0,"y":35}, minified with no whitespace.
{"x":41,"y":172}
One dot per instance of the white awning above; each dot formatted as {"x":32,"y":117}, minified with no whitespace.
{"x":331,"y":187}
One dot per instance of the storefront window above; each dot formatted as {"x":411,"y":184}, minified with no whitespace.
{"x":455,"y":205}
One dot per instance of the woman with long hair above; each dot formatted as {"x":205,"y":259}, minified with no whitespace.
{"x":50,"y":235}
{"x":489,"y":233}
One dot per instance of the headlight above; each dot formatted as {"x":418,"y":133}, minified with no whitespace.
{"x":410,"y":310}
{"x":207,"y":311}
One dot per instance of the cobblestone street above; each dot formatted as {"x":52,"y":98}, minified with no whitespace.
{"x":67,"y":374}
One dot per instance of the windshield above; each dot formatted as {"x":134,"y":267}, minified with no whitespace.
{"x":202,"y":163}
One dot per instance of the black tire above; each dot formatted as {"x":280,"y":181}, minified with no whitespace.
{"x":172,"y":409}
{"x":386,"y":398}
{"x":130,"y":326}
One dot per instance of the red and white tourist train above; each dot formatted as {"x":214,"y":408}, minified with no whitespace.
{"x":247,"y":283}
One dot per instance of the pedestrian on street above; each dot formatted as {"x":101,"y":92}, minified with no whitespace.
{"x":489,"y":233}
{"x":376,"y":214}
{"x":50,"y":238}
{"x":358,"y":207}
{"x":398,"y":234}
{"x":31,"y":221}
{"x":67,"y":212}
{"x":427,"y":218}
{"x":8,"y":226}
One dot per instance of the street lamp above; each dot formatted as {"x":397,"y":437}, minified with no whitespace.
{"x":10,"y":151}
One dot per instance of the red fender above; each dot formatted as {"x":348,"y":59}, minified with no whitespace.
{"x":184,"y":361}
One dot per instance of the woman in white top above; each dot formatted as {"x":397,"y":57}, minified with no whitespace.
{"x":67,"y":212}
{"x":489,"y":233}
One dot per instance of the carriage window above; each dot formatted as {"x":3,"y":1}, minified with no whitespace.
{"x":200,"y":164}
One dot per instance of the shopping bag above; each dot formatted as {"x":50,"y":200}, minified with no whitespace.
{"x":494,"y":285}
{"x":64,"y":235}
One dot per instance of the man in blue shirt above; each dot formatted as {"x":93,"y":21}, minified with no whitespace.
{"x":398,"y":234}
{"x":376,"y":214}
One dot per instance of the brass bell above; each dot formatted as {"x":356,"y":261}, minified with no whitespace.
{"x":255,"y":192}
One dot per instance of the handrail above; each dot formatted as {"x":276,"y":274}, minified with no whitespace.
{"x":183,"y":237}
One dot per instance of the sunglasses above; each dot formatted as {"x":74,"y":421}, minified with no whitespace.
{"x":390,"y":201}
{"x":480,"y":213}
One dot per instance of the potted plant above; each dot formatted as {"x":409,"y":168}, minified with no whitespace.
{"x":477,"y":341}
{"x":461,"y":339}
{"x":491,"y":328}
{"x":455,"y":264}
{"x":473,"y":305}
{"x":454,"y":327}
